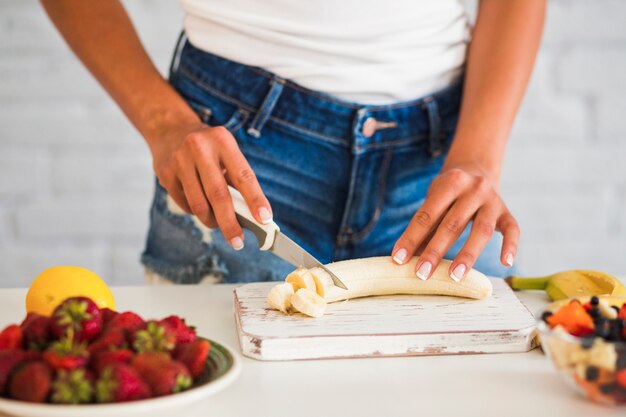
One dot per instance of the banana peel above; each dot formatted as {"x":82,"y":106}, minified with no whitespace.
{"x":569,"y":284}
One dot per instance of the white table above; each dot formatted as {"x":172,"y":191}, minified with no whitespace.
{"x":463,"y":385}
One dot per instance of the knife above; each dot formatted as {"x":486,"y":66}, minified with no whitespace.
{"x":271,"y":238}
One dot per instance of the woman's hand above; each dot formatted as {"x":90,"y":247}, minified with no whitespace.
{"x":195,"y":163}
{"x":457,"y":196}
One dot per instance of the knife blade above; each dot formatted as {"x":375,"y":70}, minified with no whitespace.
{"x":271,"y":238}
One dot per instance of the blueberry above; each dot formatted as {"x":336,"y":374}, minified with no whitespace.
{"x":545,"y":315}
{"x":592,"y":373}
{"x":608,"y":388}
{"x":587,"y":342}
{"x":594,"y":301}
{"x":595,"y":312}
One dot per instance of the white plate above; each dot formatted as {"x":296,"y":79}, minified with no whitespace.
{"x":223,"y":362}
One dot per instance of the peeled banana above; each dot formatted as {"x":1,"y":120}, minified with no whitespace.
{"x":573,"y":283}
{"x":370,"y":277}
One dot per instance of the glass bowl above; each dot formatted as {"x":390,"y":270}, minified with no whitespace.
{"x":593,"y":366}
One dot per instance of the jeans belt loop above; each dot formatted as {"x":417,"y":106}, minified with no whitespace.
{"x":434,"y":121}
{"x":265,"y":111}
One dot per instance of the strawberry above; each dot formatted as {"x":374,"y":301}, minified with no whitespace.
{"x":31,"y":382}
{"x":622,"y":312}
{"x":81,"y":315}
{"x":193,"y":355}
{"x":184,"y":333}
{"x":154,"y":336}
{"x":36,"y":331}
{"x":119,"y":383}
{"x":72,"y":387}
{"x":574,"y":319}
{"x":11,"y":337}
{"x":104,"y":358}
{"x":620,"y":377}
{"x":127,"y":321}
{"x":9,"y":360}
{"x":110,"y":339}
{"x":162,"y":374}
{"x":107,"y":315}
{"x":65,"y":354}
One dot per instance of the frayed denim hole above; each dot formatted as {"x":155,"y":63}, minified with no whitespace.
{"x":207,"y":264}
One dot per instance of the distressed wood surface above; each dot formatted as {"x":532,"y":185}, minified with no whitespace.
{"x":400,"y":325}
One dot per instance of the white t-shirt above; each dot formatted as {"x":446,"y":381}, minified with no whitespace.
{"x":366,"y":51}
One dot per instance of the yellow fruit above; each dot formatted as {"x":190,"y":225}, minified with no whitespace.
{"x":58,"y":283}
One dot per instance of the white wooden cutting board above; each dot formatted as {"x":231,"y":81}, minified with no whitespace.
{"x":400,"y":325}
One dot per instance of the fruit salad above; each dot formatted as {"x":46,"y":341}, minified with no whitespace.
{"x":586,"y":339}
{"x":85,"y":354}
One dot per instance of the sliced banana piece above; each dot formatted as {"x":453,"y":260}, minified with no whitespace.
{"x":323,"y":281}
{"x":301,"y":278}
{"x":308,"y":302}
{"x":279,"y":297}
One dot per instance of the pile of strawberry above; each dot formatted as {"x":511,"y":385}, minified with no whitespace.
{"x":83,"y":354}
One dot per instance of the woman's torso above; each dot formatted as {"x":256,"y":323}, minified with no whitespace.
{"x":359,"y":50}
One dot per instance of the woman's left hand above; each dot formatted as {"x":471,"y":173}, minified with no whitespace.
{"x":456,"y":197}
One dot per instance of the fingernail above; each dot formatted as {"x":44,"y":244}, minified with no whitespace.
{"x":265,"y":215}
{"x":424,"y":271}
{"x":237,"y":243}
{"x":458,"y":272}
{"x":400,"y":256}
{"x":509,"y":259}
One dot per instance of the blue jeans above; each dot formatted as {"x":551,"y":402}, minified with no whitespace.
{"x":343,"y":179}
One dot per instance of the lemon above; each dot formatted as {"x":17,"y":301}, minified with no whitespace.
{"x":58,"y":283}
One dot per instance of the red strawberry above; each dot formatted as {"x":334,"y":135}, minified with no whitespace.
{"x":107,"y":315}
{"x":72,"y":387}
{"x":64,"y":354}
{"x":11,"y":337}
{"x":193,"y":355}
{"x":31,"y":382}
{"x":184,"y":333}
{"x":127,"y":321}
{"x":110,"y":339}
{"x":81,"y":315}
{"x":104,"y":358}
{"x":622,"y":312}
{"x":36,"y":331}
{"x":9,"y":360}
{"x":119,"y":383}
{"x":620,"y":377}
{"x":154,"y":336}
{"x":162,"y":374}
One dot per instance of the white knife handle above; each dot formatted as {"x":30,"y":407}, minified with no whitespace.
{"x":265,"y":233}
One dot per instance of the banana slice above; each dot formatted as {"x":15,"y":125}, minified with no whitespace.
{"x":323,"y":281}
{"x":301,"y":278}
{"x":279,"y":297}
{"x":606,"y":310}
{"x":308,"y":302}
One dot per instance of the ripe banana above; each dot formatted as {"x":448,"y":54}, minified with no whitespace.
{"x":301,"y":278}
{"x":573,"y":283}
{"x":369,"y":277}
{"x":279,"y":297}
{"x":381,"y":276}
{"x":309,"y":303}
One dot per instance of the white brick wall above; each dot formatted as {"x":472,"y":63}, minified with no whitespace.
{"x":75,"y":178}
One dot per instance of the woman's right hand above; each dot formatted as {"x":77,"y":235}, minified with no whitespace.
{"x":195,"y":163}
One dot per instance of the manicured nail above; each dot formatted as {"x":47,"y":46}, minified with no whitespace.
{"x":424,"y":271}
{"x":458,"y":272}
{"x":265,"y":215}
{"x":400,"y":256}
{"x":509,"y":259}
{"x":237,"y":243}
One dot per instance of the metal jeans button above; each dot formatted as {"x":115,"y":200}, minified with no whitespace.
{"x":369,"y":127}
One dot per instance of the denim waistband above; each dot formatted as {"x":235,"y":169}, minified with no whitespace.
{"x":359,"y":126}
